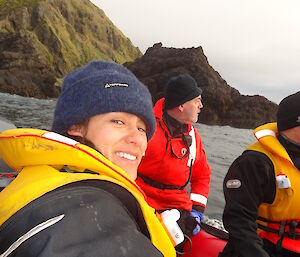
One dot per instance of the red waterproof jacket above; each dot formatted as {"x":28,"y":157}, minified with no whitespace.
{"x":168,"y":165}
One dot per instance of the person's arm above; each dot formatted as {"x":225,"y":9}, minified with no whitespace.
{"x":200,"y":179}
{"x":88,"y":221}
{"x":250,"y":181}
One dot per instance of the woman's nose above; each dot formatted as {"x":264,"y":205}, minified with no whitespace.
{"x":134,"y":136}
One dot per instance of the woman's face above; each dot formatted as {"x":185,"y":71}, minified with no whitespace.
{"x":119,"y":136}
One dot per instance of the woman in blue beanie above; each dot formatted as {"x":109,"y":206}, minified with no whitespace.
{"x":75,"y":193}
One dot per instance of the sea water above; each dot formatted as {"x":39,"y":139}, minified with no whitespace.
{"x":222,"y":143}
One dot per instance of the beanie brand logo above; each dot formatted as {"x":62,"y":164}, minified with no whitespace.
{"x":298,"y":119}
{"x":108,"y":85}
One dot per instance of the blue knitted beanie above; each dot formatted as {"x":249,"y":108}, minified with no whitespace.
{"x":101,"y":87}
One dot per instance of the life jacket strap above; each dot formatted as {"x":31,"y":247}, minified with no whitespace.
{"x":159,"y":185}
{"x":286,"y":229}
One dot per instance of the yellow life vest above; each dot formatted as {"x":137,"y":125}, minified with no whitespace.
{"x":285,"y":207}
{"x":38,"y":155}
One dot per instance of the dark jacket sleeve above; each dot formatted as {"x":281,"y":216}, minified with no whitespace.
{"x":89,"y":222}
{"x":255,"y":173}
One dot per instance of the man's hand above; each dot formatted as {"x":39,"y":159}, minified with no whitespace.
{"x":198,"y":217}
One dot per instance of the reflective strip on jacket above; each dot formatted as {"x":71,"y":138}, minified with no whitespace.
{"x":40,"y":156}
{"x":159,"y":164}
{"x":285,"y":207}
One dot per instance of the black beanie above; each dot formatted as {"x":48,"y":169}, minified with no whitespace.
{"x":288,"y":114}
{"x":180,"y":89}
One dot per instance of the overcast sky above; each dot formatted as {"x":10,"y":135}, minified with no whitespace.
{"x":253,"y":44}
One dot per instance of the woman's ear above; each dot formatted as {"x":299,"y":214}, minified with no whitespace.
{"x":76,"y":130}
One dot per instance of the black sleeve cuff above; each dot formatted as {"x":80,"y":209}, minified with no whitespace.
{"x":199,"y":208}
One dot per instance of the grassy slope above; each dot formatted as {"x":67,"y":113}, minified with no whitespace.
{"x":7,"y":5}
{"x":71,"y":33}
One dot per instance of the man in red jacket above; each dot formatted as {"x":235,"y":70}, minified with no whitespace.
{"x":175,"y":155}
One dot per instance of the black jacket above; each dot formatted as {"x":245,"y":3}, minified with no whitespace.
{"x":100,"y":219}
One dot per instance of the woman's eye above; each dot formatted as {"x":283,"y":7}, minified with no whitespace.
{"x":142,"y":130}
{"x":119,"y":122}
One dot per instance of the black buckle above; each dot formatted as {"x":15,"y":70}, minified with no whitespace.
{"x":292,"y":230}
{"x":281,"y":228}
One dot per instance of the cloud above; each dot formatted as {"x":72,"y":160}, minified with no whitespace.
{"x":253,"y":44}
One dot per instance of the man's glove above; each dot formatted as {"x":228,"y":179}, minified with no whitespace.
{"x":198,"y":217}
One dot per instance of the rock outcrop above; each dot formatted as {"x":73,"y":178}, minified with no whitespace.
{"x":42,"y":40}
{"x":223,"y":105}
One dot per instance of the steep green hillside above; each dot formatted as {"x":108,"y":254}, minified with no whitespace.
{"x":7,"y":5}
{"x":55,"y":36}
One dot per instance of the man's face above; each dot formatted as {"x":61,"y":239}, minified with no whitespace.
{"x":296,"y":135}
{"x":191,"y":110}
{"x":293,"y":134}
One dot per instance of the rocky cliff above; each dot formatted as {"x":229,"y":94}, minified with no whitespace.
{"x":42,"y":40}
{"x":223,"y":105}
